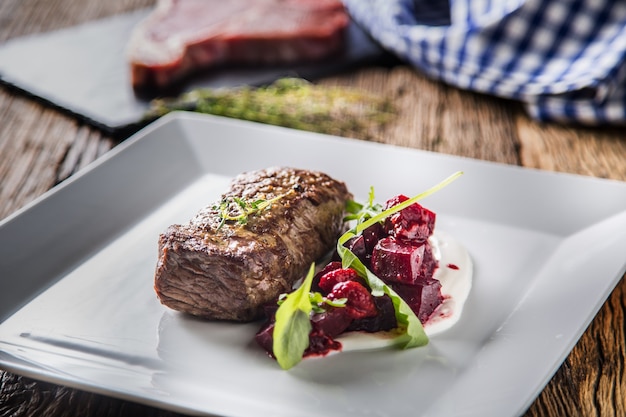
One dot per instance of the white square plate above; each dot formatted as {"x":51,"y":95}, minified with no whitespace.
{"x":78,"y":308}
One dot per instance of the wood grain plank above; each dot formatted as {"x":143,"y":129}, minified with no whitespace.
{"x":24,"y":397}
{"x":34,"y":143}
{"x":429,"y":117}
{"x":599,"y":152}
{"x":592,"y":380}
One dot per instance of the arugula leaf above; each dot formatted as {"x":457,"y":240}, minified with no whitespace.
{"x":292,"y":326}
{"x":360,"y":212}
{"x":354,"y":208}
{"x":318,"y":301}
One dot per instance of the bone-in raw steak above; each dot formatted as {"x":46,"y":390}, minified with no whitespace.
{"x":229,"y":272}
{"x":183,"y":36}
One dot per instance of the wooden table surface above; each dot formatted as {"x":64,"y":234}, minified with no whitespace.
{"x":40,"y":147}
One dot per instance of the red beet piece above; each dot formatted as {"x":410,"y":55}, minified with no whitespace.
{"x":320,"y":344}
{"x":414,"y":223}
{"x":331,"y":322}
{"x":423,"y":297}
{"x":429,"y":263}
{"x":372,"y":235}
{"x":363,"y":244}
{"x":331,"y":278}
{"x":384,"y":320}
{"x":398,"y":261}
{"x":357,"y":246}
{"x":265,"y":337}
{"x":359,"y":304}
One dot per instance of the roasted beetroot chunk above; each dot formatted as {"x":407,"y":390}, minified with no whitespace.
{"x":363,"y":244}
{"x":265,"y":337}
{"x":372,"y":235}
{"x":356,"y":245}
{"x":397,"y":261}
{"x":332,"y":322}
{"x":414,"y":223}
{"x":384,"y":320}
{"x":320,"y":344}
{"x":423,"y":297}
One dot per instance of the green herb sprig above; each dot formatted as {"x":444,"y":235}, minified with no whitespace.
{"x":361,"y":212}
{"x":318,"y":301}
{"x":290,"y":102}
{"x":239,"y":209}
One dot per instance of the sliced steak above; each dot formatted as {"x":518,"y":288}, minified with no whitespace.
{"x":229,"y":270}
{"x":183,"y":36}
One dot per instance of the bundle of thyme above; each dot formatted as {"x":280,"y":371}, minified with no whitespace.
{"x":289,"y":102}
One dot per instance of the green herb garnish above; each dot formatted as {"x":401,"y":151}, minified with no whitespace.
{"x":293,"y":325}
{"x":318,"y":301}
{"x":290,"y":102}
{"x":239,"y":210}
{"x":360,"y":212}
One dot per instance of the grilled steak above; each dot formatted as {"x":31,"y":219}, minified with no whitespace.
{"x":182,"y":36}
{"x":228,"y":270}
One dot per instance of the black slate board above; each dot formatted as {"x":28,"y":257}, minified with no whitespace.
{"x":83,"y":70}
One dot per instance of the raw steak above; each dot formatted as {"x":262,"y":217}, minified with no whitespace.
{"x":183,"y":36}
{"x":229,"y":272}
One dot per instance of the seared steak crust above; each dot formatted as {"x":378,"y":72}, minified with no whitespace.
{"x":229,"y":272}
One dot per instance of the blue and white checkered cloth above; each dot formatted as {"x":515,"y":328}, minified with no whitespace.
{"x":565,"y":59}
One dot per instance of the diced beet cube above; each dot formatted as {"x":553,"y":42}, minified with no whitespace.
{"x":372,"y":235}
{"x":357,"y":246}
{"x":423,"y":297}
{"x":383,"y":321}
{"x":397,"y":261}
{"x":265,"y":337}
{"x":394,"y":201}
{"x":429,"y":263}
{"x":332,"y":322}
{"x":360,"y":302}
{"x":363,"y":244}
{"x":331,"y":278}
{"x":414,"y":223}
